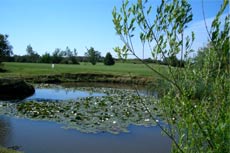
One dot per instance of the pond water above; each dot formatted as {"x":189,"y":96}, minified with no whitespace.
{"x":61,"y":94}
{"x":69,"y":92}
{"x":48,"y":137}
{"x":42,"y":136}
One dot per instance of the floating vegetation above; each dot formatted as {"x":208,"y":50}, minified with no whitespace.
{"x":112,"y":113}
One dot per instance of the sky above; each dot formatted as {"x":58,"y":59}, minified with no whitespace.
{"x":50,"y":24}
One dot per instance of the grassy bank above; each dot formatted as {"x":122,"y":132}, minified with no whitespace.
{"x":5,"y":150}
{"x":120,"y":71}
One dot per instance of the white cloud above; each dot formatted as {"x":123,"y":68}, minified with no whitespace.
{"x":201,"y":34}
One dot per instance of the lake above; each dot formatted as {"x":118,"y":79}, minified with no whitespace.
{"x":41,"y":136}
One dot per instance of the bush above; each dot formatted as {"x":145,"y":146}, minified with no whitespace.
{"x":195,"y":99}
{"x":109,"y":59}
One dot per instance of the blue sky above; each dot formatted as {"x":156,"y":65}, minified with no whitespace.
{"x":50,"y":24}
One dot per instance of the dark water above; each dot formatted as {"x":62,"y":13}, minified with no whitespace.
{"x":49,"y":137}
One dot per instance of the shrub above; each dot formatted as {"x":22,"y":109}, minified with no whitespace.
{"x":109,"y":59}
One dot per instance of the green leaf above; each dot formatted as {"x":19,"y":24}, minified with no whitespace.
{"x":149,"y":10}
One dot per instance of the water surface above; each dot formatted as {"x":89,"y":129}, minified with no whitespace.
{"x":49,"y":137}
{"x":61,"y":94}
{"x":35,"y":136}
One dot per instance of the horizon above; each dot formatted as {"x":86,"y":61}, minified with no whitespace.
{"x":50,"y":24}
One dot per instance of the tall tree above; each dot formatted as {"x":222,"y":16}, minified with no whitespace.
{"x":93,"y":55}
{"x":75,"y":52}
{"x":70,"y":56}
{"x":5,"y":47}
{"x":68,"y":52}
{"x":29,"y":50}
{"x":73,"y":58}
{"x":57,"y":55}
{"x":32,"y":56}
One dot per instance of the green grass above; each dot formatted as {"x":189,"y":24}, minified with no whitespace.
{"x":5,"y":150}
{"x":124,"y":69}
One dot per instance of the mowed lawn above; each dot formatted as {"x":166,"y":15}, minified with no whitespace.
{"x":125,"y":69}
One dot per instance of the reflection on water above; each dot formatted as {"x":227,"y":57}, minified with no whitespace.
{"x":69,"y":91}
{"x":5,"y":131}
{"x":145,"y":90}
{"x":49,"y":137}
{"x":61,"y":94}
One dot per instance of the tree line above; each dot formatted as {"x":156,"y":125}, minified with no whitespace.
{"x":58,"y":56}
{"x":68,"y":56}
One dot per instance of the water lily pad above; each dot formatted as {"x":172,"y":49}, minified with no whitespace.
{"x":111,"y":113}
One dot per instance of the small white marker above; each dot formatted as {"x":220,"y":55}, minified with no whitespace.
{"x":52,"y":66}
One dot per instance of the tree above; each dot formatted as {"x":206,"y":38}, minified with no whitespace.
{"x":75,"y":52}
{"x":57,"y":56}
{"x":73,"y":58}
{"x":46,"y":58}
{"x":92,"y":55}
{"x":70,"y":56}
{"x":196,"y":101}
{"x":109,"y":59}
{"x":173,"y":61}
{"x":29,"y":50}
{"x":32,"y":56}
{"x":69,"y":53}
{"x":5,"y":47}
{"x":204,"y":52}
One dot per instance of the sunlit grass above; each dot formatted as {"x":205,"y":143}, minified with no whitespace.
{"x":30,"y":69}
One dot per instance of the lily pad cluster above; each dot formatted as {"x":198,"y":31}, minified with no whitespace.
{"x":112,"y":113}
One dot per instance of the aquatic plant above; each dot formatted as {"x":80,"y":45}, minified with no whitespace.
{"x":112,"y":113}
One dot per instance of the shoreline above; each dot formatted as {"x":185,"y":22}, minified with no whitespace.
{"x":86,"y":77}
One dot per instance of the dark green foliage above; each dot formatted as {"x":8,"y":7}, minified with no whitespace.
{"x":149,"y":60}
{"x":199,"y":59}
{"x":18,"y":58}
{"x":32,"y":56}
{"x":69,"y":56}
{"x":5,"y":50}
{"x":93,"y":55}
{"x":57,"y":56}
{"x":109,"y":59}
{"x":173,"y":61}
{"x":5,"y":47}
{"x":46,"y":58}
